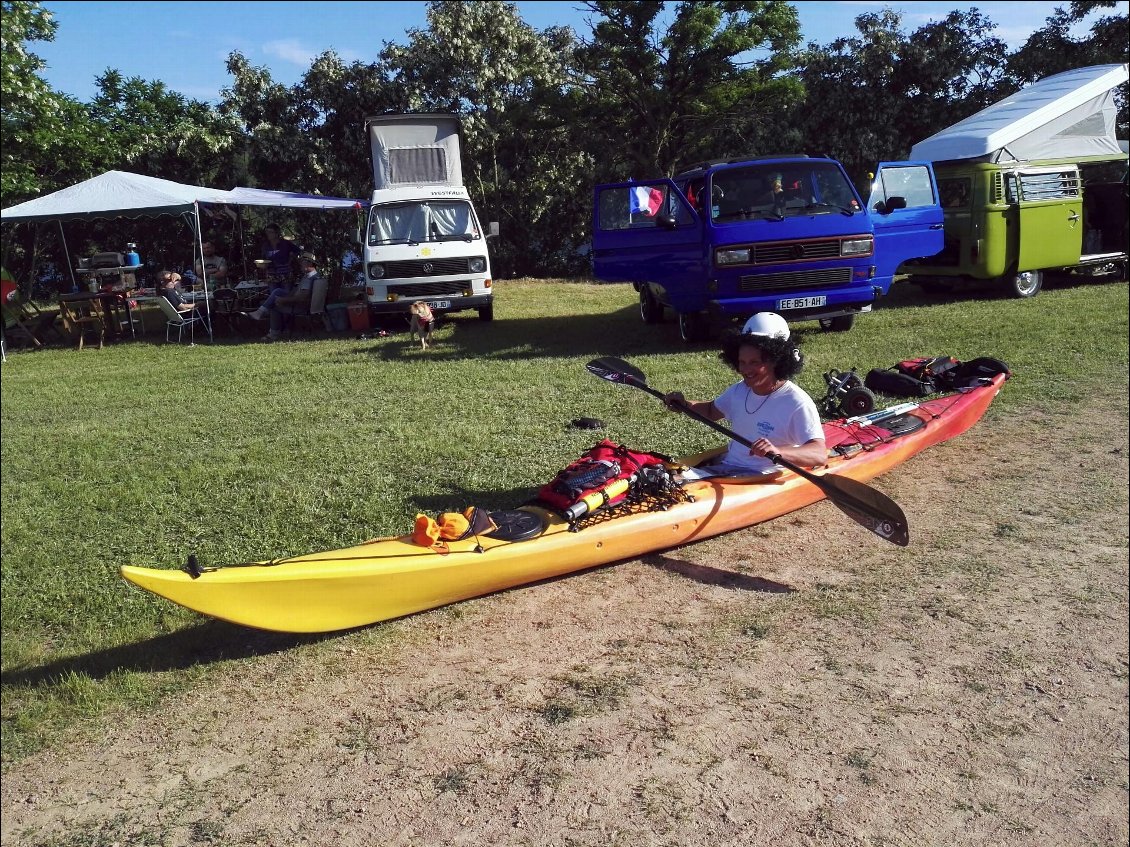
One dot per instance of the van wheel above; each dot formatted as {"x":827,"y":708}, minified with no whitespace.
{"x":486,"y":313}
{"x":651,"y":310}
{"x":1026,"y":283}
{"x":693,"y":327}
{"x":841,"y":324}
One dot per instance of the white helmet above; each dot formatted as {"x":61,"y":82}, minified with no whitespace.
{"x":767,"y":323}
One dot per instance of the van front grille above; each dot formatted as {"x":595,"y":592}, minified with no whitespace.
{"x":768,"y":283}
{"x":453,"y":288}
{"x":777,"y":252}
{"x":426,"y":267}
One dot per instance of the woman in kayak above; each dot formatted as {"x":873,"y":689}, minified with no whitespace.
{"x":764,"y":407}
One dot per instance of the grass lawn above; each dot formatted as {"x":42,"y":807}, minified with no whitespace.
{"x":144,"y":452}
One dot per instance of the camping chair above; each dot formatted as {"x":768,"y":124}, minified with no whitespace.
{"x":82,"y":317}
{"x":18,"y":330}
{"x":181,"y":320}
{"x":317,"y":311}
{"x":24,"y":322}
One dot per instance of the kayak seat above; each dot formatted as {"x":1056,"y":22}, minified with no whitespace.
{"x":901,"y":424}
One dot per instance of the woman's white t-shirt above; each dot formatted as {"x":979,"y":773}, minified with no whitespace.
{"x":787,"y":416}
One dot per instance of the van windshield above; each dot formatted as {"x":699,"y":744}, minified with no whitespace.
{"x":776,"y":191}
{"x":415,"y":222}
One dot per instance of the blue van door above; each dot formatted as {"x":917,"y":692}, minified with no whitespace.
{"x":906,"y":216}
{"x":646,"y":232}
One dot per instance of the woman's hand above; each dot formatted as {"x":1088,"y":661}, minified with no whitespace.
{"x":675,"y":401}
{"x":763,"y":447}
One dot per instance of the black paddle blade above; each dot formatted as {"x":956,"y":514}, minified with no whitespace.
{"x":869,"y":508}
{"x":616,"y":370}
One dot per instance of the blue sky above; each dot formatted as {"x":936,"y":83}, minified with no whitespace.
{"x":185,"y":44}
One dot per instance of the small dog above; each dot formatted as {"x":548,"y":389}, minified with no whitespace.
{"x":422,"y":323}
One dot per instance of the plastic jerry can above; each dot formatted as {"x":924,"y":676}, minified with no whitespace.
{"x":359,"y":316}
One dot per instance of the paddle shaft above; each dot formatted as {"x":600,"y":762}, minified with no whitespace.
{"x":775,"y":458}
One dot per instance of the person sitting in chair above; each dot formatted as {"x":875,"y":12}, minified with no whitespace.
{"x":169,"y":282}
{"x":214,"y":268}
{"x":296,"y":302}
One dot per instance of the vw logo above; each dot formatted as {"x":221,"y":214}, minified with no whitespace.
{"x":798,"y":251}
{"x":429,"y":267}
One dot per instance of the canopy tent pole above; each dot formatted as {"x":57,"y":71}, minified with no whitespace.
{"x":199,"y":249}
{"x":242,"y":247}
{"x":67,"y":254}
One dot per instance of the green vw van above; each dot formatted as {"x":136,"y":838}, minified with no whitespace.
{"x":1034,"y":183}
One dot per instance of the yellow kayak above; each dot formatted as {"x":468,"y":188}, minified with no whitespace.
{"x":391,"y":577}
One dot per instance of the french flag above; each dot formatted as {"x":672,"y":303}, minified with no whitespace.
{"x":644,"y":199}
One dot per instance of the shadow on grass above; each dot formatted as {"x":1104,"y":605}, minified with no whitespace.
{"x":209,"y":642}
{"x":216,"y":641}
{"x":492,"y":500}
{"x":907,"y":294}
{"x":622,"y":333}
{"x":716,"y":576}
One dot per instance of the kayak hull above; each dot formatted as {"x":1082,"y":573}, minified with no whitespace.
{"x":391,"y":577}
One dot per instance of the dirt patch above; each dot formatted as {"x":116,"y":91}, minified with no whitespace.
{"x":798,"y":683}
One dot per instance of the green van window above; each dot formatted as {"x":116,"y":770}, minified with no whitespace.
{"x":955,"y":192}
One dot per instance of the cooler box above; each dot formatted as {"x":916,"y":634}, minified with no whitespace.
{"x":338,"y":313}
{"x":358,"y":315}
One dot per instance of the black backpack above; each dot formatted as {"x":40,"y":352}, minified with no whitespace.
{"x":931,"y":374}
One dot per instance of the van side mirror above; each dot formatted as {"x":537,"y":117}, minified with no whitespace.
{"x":666,"y":221}
{"x":492,"y":229}
{"x":357,"y":238}
{"x":891,"y":203}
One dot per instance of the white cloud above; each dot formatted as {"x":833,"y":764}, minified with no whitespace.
{"x":290,"y":50}
{"x":347,"y":56}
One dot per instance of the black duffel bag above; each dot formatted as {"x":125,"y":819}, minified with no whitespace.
{"x":929,"y":375}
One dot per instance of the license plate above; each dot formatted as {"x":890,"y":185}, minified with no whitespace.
{"x":440,"y":304}
{"x":801,"y":302}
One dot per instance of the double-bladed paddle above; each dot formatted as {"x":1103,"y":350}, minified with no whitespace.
{"x":863,"y":504}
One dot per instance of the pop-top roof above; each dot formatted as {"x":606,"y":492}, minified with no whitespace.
{"x":1071,"y":114}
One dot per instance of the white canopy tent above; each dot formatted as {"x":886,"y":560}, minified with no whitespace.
{"x":1067,"y":115}
{"x":116,"y":194}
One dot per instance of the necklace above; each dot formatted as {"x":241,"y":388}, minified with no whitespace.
{"x":764,"y":400}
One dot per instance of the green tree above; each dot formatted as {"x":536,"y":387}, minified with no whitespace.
{"x":524,"y":162}
{"x":37,"y":155}
{"x":1053,"y":49}
{"x":663,"y":84}
{"x":307,"y":138}
{"x":148,"y":129}
{"x":870,"y":97}
{"x":47,"y":136}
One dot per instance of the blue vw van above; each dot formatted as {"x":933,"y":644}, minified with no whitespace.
{"x":788,"y":234}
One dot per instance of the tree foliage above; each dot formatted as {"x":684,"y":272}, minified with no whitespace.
{"x":1053,"y":49}
{"x":34,"y":119}
{"x":659,"y":87}
{"x":521,"y":161}
{"x":871,"y":96}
